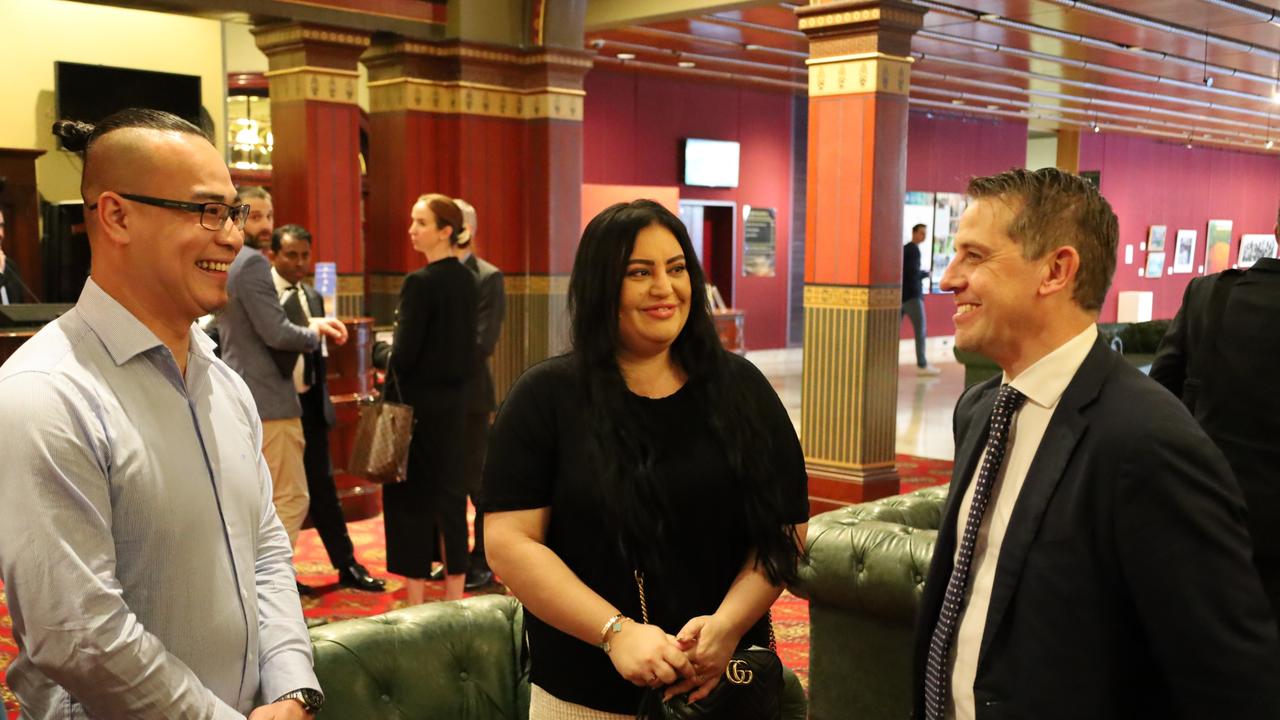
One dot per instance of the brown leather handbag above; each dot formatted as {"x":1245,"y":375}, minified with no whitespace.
{"x":380,"y":451}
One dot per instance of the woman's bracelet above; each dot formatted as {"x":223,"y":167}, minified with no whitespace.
{"x":614,"y":625}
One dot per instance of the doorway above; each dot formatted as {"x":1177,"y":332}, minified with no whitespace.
{"x":712,"y":229}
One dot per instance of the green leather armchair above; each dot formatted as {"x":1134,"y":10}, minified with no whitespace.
{"x":866,"y":570}
{"x":440,"y":661}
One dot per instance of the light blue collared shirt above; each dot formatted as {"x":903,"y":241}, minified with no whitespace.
{"x":147,"y":573}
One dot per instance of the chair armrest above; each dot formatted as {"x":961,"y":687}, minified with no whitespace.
{"x":870,"y":566}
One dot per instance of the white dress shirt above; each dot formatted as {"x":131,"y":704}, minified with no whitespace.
{"x":1043,"y":383}
{"x":284,"y":289}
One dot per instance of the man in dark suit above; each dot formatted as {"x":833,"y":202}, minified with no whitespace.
{"x":1229,"y":383}
{"x":1092,"y":560}
{"x":10,"y":280}
{"x":290,"y":263}
{"x":912,"y":300}
{"x":480,"y":399}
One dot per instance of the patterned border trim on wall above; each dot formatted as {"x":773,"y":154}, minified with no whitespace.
{"x":884,"y":74}
{"x":315,"y":84}
{"x":456,"y":97}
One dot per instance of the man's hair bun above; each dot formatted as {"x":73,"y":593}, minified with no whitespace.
{"x":75,"y":134}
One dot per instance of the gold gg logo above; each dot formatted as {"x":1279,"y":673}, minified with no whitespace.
{"x":739,"y":673}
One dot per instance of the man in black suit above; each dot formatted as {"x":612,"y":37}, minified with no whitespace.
{"x":1092,"y":560}
{"x":481,"y":402}
{"x":912,"y":300}
{"x":10,"y":280}
{"x":1229,"y":383}
{"x":290,"y":264}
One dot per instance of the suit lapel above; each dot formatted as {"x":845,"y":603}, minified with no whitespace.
{"x":1061,"y":437}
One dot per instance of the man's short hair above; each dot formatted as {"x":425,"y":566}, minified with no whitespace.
{"x":249,"y":193}
{"x":917,"y":226}
{"x":80,"y":137}
{"x":1054,"y":209}
{"x":468,"y":221}
{"x":297,"y":232}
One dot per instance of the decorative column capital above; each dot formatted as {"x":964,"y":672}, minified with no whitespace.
{"x":293,"y":45}
{"x":475,"y":79}
{"x":854,"y":27}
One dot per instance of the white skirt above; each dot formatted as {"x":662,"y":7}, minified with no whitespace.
{"x":545,"y":706}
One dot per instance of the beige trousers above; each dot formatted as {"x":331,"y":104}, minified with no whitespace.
{"x":282,"y":445}
{"x":545,"y":706}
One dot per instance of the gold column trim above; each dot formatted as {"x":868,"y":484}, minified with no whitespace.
{"x":294,"y":34}
{"x":386,"y":284}
{"x":312,"y":69}
{"x":848,"y":297}
{"x":351,"y":284}
{"x":400,"y":94}
{"x":840,"y":18}
{"x":857,"y":56}
{"x":536,"y":284}
{"x":854,"y":77}
{"x":472,"y":53}
{"x":315,"y":84}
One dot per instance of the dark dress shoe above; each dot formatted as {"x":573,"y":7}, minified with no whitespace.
{"x":356,"y":576}
{"x":437,"y":573}
{"x":478,"y":578}
{"x":306,"y":590}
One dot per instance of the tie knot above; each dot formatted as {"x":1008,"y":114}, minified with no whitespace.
{"x":1008,"y":400}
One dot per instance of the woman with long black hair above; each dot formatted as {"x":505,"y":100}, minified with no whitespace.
{"x":646,"y":453}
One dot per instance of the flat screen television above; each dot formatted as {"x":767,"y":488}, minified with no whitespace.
{"x":711,"y":163}
{"x":91,"y":92}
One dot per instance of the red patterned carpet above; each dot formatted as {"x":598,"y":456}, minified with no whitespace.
{"x":790,"y":613}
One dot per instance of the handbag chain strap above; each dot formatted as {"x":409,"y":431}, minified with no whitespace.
{"x":644,"y":611}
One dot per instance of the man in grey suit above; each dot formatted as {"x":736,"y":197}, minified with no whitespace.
{"x":481,"y":402}
{"x":252,"y":327}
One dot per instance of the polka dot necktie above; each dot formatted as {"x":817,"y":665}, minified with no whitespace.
{"x":937,"y":678}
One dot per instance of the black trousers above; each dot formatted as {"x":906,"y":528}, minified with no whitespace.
{"x":476,"y":441}
{"x":326,"y":509}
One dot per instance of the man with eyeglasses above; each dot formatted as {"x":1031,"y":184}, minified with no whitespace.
{"x":147,"y":573}
{"x":253,"y":331}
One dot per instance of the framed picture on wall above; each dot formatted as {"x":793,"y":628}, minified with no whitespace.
{"x":1184,"y":250}
{"x":1253,"y":247}
{"x":1155,"y":264}
{"x":1217,"y":246}
{"x":1155,"y":238}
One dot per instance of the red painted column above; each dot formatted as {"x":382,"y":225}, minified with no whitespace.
{"x":859,"y":75}
{"x":315,"y":179}
{"x":501,"y":128}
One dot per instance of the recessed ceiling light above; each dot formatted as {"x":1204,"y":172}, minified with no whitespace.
{"x":750,"y":46}
{"x":993,"y":107}
{"x":1097,"y":128}
{"x":957,"y":102}
{"x":988,"y":17}
{"x":1134,"y":48}
{"x":626,"y":56}
{"x":687,"y":64}
{"x":1270,"y":144}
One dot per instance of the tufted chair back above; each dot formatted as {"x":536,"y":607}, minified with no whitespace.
{"x":447,"y":660}
{"x":865,"y":575}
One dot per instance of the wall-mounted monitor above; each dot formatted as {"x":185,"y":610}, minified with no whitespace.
{"x":711,"y":163}
{"x":91,"y":92}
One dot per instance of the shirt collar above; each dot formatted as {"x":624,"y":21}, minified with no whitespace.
{"x":281,"y":283}
{"x":124,"y":335}
{"x":1044,"y":382}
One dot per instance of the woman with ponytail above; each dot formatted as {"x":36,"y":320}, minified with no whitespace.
{"x":647,"y":454}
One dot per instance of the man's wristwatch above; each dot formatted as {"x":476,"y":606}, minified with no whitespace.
{"x":311,"y":700}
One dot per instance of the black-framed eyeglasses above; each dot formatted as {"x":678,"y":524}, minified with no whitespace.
{"x":213,"y":215}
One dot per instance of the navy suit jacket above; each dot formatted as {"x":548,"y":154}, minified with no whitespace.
{"x":1124,"y":587}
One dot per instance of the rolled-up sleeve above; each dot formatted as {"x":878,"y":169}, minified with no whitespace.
{"x":58,"y":562}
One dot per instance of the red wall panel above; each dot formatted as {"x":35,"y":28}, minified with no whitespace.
{"x":1150,"y":182}
{"x":631,"y":136}
{"x":943,"y":152}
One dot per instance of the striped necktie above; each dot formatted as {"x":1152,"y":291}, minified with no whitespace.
{"x":937,"y":673}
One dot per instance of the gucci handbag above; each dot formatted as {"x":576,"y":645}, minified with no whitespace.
{"x":380,"y":451}
{"x":750,"y":689}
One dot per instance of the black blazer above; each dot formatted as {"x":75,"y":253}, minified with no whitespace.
{"x":1124,"y":587}
{"x":490,"y":309}
{"x":1237,"y":399}
{"x":433,"y":352}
